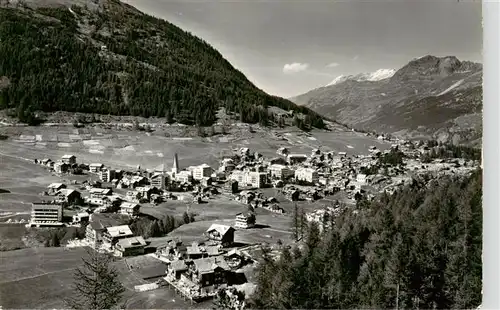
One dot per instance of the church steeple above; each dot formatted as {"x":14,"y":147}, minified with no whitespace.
{"x":175,"y":166}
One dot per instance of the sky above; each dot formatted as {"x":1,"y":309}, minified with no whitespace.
{"x":288,"y":47}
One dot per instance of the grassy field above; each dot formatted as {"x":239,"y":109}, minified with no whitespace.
{"x":213,"y":209}
{"x":11,"y":237}
{"x":24,"y":180}
{"x":41,"y":278}
{"x":125,"y":148}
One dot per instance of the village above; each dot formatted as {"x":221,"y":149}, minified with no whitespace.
{"x":198,"y":269}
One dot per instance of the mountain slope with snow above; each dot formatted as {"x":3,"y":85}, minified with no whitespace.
{"x":378,"y":75}
{"x":430,"y":97}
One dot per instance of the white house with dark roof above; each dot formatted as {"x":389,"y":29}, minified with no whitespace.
{"x":100,"y":192}
{"x":221,"y":233}
{"x":96,"y":167}
{"x":130,"y":246}
{"x":130,"y":208}
{"x":112,"y":234}
{"x":69,"y":159}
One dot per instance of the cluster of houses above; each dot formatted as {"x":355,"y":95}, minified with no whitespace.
{"x":198,"y":270}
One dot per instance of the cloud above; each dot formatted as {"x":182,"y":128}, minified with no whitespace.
{"x":294,"y":67}
{"x":333,"y":65}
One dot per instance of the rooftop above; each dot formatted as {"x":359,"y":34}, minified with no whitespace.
{"x":131,"y":242}
{"x":221,"y":229}
{"x":56,"y":185}
{"x":209,"y":264}
{"x":116,"y":231}
{"x":129,"y":205}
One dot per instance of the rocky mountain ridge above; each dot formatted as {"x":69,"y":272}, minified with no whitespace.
{"x":430,"y":97}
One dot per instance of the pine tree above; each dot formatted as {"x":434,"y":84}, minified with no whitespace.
{"x":96,"y":284}
{"x":295,"y":222}
{"x":186,"y":218}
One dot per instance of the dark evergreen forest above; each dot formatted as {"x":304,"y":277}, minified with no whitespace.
{"x":119,"y":61}
{"x":419,"y":248}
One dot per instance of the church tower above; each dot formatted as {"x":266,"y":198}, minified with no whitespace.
{"x":175,"y":166}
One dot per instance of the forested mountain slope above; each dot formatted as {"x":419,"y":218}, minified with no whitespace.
{"x":417,"y":249}
{"x":106,"y":57}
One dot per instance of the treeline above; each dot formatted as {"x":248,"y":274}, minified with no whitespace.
{"x":148,"y":227}
{"x":446,"y":151}
{"x":145,"y":67}
{"x":419,"y":248}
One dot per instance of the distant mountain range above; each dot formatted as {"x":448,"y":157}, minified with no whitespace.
{"x":378,"y":75}
{"x":430,"y":97}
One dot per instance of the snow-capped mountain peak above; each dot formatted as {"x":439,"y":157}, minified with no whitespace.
{"x":378,"y":75}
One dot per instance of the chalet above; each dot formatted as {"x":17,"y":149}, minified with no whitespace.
{"x":173,"y":250}
{"x":108,"y":202}
{"x":129,"y":208}
{"x":69,"y":196}
{"x":234,"y":259}
{"x":47,"y":162}
{"x":130,"y":246}
{"x":69,"y":159}
{"x":282,"y":151}
{"x":97,"y":225}
{"x":61,"y":167}
{"x":244,"y":151}
{"x":175,"y":269}
{"x":134,"y":196}
{"x":195,"y":251}
{"x":113,"y":234}
{"x":221,"y":233}
{"x":132,"y":182}
{"x":247,"y":197}
{"x":96,"y":167}
{"x":244,"y":221}
{"x":206,"y":274}
{"x":93,"y":184}
{"x":100,"y":192}
{"x":56,"y":187}
{"x":276,"y":209}
{"x":81,"y":217}
{"x":145,"y":192}
{"x":296,"y":158}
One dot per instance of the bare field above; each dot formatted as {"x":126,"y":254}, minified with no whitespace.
{"x":41,"y":278}
{"x":211,"y":210}
{"x":24,"y":180}
{"x":127,"y":148}
{"x":269,"y":229}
